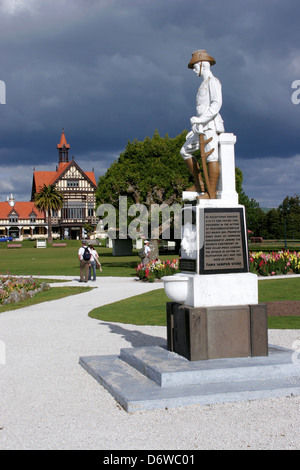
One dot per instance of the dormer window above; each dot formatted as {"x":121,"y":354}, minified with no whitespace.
{"x":33,"y":218}
{"x":13,"y":218}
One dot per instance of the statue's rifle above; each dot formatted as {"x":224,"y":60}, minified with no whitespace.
{"x":204,"y":156}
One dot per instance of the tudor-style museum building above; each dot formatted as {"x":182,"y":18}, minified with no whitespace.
{"x":23,"y":220}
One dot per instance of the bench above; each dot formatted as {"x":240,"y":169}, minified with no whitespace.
{"x":14,"y":245}
{"x":41,"y":243}
{"x":256,"y":239}
{"x":59,"y":244}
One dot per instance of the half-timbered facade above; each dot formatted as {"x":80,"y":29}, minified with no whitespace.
{"x":78,"y":188}
{"x":21,"y":220}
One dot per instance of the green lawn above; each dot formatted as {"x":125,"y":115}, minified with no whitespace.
{"x":63,"y":260}
{"x":147,"y":309}
{"x":150,"y":308}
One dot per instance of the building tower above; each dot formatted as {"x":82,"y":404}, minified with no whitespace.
{"x":63,"y":149}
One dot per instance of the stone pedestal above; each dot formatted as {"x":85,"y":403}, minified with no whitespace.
{"x":217,"y":332}
{"x":212,"y":290}
{"x":226,"y":191}
{"x":226,"y":185}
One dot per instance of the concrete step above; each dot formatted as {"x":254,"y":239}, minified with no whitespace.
{"x":132,"y":377}
{"x":168,"y":369}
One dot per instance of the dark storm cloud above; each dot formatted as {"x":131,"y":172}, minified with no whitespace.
{"x":113,"y":70}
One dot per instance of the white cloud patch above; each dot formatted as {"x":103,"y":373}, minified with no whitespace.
{"x":15,"y":7}
{"x":16,"y":180}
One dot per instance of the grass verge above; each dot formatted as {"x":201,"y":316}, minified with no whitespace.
{"x":284,"y":323}
{"x":150,"y":308}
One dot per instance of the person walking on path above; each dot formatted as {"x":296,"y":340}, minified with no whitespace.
{"x":147,"y":252}
{"x":84,"y":255}
{"x":93,"y":263}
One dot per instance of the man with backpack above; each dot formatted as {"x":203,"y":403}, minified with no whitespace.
{"x":84,"y":255}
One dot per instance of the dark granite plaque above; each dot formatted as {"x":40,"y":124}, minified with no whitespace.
{"x":188,"y":265}
{"x":224,"y":247}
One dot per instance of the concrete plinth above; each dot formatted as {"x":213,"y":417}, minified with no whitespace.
{"x":217,"y":332}
{"x":153,"y":378}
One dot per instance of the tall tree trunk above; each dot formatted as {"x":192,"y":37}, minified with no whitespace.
{"x":50,"y":239}
{"x":154,"y":248}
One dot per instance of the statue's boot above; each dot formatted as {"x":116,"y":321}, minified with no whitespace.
{"x":203,"y":196}
{"x":194,"y":168}
{"x":213,"y":171}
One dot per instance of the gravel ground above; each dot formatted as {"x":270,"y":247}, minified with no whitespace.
{"x":48,"y":401}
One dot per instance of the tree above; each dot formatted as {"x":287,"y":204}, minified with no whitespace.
{"x":254,"y":214}
{"x":289,"y":211}
{"x":273,"y":225}
{"x":47,"y":200}
{"x":148,"y":172}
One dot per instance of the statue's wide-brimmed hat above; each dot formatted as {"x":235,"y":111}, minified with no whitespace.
{"x":200,"y":56}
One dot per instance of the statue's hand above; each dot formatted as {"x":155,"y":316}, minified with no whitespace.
{"x":197,"y":129}
{"x":194,"y":120}
{"x":197,"y":126}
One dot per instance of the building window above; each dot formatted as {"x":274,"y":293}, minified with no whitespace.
{"x":73,"y":209}
{"x":90,"y":209}
{"x":13,"y":219}
{"x":72,"y":184}
{"x":32,"y":218}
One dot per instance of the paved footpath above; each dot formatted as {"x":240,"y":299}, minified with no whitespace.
{"x":48,"y":401}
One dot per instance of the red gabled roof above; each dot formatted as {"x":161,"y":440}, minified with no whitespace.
{"x":43,"y":177}
{"x":91,"y":176}
{"x":23,"y":209}
{"x":50,"y":177}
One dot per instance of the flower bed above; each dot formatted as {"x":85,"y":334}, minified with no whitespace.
{"x":14,"y":289}
{"x":272,"y":264}
{"x":263,"y":264}
{"x":156,"y":269}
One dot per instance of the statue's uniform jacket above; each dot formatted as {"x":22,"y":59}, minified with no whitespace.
{"x":208,"y":105}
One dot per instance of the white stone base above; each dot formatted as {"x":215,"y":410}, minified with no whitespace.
{"x":226,"y":185}
{"x":212,"y":290}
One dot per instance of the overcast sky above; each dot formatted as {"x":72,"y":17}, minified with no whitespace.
{"x":109,"y":71}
